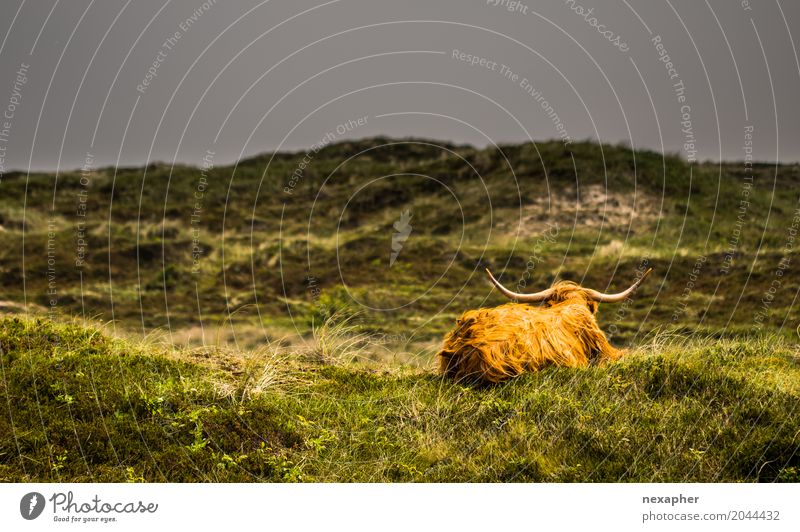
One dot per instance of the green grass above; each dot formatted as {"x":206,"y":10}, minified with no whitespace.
{"x":81,"y":405}
{"x":260,"y":245}
{"x":291,"y":391}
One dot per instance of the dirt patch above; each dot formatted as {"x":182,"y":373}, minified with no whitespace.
{"x":592,"y":207}
{"x":13,"y":307}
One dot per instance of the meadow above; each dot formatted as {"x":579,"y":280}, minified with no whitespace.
{"x":253,"y":322}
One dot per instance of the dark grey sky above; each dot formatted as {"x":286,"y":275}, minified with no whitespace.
{"x":246,"y":77}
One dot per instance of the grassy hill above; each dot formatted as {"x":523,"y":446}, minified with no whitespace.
{"x":87,"y":407}
{"x":262,"y":254}
{"x":256,"y":327}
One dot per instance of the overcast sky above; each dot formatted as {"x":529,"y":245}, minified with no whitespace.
{"x":239,"y":78}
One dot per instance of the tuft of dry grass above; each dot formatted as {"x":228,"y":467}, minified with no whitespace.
{"x":340,"y":340}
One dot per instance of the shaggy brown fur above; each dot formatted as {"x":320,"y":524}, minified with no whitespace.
{"x":494,"y":344}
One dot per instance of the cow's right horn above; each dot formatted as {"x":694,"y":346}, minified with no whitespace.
{"x":613,"y":298}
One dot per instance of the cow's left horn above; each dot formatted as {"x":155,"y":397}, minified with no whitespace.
{"x":524,"y":298}
{"x":613,"y":298}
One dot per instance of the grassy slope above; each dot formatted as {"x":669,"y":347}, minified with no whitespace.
{"x":260,"y":245}
{"x":83,"y":406}
{"x":80,"y":405}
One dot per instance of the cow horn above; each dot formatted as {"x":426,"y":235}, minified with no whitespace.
{"x":524,"y":298}
{"x":544,"y":294}
{"x":613,"y":298}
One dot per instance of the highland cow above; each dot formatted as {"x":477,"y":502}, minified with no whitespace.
{"x":494,"y":344}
